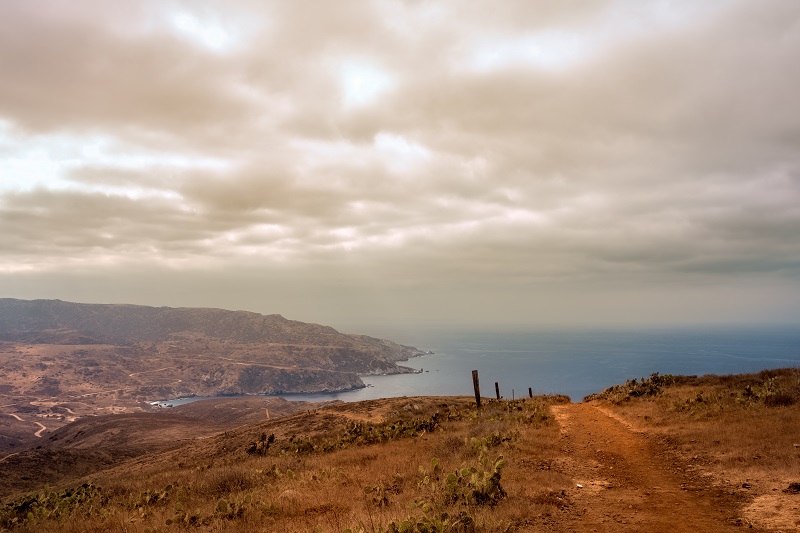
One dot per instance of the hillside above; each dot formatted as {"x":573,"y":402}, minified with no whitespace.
{"x":60,"y":361}
{"x":94,"y":443}
{"x":57,"y":322}
{"x":669,"y":453}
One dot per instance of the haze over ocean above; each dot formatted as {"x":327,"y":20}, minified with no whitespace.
{"x":576,"y":362}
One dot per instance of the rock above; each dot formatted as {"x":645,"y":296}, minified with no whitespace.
{"x":793,"y":488}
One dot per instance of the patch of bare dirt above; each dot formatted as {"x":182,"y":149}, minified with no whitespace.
{"x":777,"y":511}
{"x":628,"y":481}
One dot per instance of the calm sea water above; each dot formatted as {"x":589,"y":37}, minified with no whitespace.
{"x":575,"y":363}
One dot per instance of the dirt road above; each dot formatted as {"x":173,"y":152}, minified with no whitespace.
{"x":632,"y":482}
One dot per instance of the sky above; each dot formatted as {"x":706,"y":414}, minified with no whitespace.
{"x":408,"y":162}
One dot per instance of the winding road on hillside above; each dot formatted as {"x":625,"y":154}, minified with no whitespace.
{"x":629,"y":481}
{"x":43,"y":428}
{"x":36,"y":434}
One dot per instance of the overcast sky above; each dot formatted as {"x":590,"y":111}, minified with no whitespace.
{"x":359,"y":163}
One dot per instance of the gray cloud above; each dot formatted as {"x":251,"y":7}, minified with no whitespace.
{"x":450,"y":150}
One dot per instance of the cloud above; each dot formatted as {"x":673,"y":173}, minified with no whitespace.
{"x":89,"y":70}
{"x":447,"y":148}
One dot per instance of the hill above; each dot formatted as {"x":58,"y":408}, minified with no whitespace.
{"x":668,"y":453}
{"x":60,"y":361}
{"x":57,"y":322}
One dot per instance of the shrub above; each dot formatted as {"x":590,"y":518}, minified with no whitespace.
{"x":84,"y":500}
{"x":774,"y":389}
{"x":361,"y":433}
{"x":261,"y":446}
{"x":152,"y":497}
{"x":634,"y":388}
{"x":477,"y":484}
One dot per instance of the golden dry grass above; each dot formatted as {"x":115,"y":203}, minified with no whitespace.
{"x":217,"y":486}
{"x":743,"y":422}
{"x":434,"y":464}
{"x":743,"y":431}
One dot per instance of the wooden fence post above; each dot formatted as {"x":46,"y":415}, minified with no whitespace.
{"x":477,"y":386}
{"x":530,"y":392}
{"x":497,"y":389}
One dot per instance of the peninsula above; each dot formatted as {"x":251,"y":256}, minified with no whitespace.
{"x":60,"y":361}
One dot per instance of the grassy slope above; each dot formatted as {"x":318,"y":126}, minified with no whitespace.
{"x":741,"y":431}
{"x":358,"y":466}
{"x":389,"y":463}
{"x":739,"y":423}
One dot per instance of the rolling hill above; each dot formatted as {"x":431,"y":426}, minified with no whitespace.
{"x":60,"y":361}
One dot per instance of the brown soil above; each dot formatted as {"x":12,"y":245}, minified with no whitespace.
{"x":630,"y":481}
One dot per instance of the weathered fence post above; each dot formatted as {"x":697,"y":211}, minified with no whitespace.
{"x":476,"y":384}
{"x":497,"y":389}
{"x":530,"y":392}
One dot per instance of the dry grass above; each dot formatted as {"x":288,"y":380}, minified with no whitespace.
{"x":433,"y":464}
{"x":443,"y":477}
{"x":741,"y":430}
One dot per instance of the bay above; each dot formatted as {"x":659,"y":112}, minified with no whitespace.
{"x":572,"y":362}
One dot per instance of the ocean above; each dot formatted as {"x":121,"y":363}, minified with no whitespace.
{"x":575,"y":363}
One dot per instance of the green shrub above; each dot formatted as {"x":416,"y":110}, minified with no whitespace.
{"x":633,"y":388}
{"x":261,"y":446}
{"x":85,"y":500}
{"x":361,"y":433}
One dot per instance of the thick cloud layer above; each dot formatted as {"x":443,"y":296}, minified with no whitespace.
{"x":401,"y":160}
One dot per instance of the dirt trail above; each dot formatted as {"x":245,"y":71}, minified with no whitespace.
{"x":7,"y":456}
{"x":631,"y":482}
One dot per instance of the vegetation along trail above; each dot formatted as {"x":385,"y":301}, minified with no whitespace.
{"x":629,"y":481}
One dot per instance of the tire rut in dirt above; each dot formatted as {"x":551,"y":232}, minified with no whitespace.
{"x":629,"y":482}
